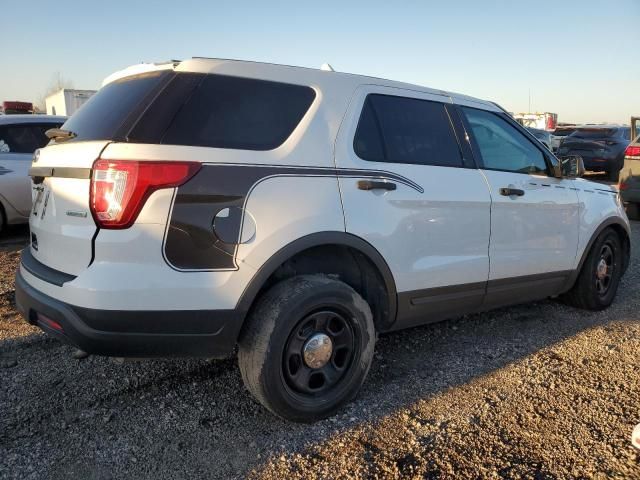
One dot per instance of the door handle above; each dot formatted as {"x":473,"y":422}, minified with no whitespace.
{"x":508,"y":192}
{"x":376,"y":185}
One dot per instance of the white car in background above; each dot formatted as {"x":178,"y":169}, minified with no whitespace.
{"x":20,"y":136}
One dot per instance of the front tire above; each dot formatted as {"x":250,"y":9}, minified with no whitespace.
{"x":598,"y":281}
{"x":307,"y":347}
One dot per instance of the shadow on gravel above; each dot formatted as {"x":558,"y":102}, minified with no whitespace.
{"x":193,"y":418}
{"x":95,"y":418}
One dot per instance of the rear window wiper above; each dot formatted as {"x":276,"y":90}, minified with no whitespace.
{"x":60,"y":135}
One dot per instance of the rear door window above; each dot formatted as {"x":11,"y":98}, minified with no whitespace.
{"x":24,"y":138}
{"x":406,"y":130}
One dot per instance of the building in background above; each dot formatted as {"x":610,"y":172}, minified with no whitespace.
{"x":67,"y":101}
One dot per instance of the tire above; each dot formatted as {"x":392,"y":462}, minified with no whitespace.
{"x":633,"y":211}
{"x":278,"y":332}
{"x":613,"y":175}
{"x":588,"y":292}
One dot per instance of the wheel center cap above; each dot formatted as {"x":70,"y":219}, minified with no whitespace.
{"x":601,"y":270}
{"x":317,"y":351}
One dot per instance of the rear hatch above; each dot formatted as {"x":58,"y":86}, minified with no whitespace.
{"x":61,"y":223}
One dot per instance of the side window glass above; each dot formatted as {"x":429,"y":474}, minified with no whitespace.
{"x":502,"y":146}
{"x":5,"y":147}
{"x":406,"y":130}
{"x":20,"y":138}
{"x":368,"y":141}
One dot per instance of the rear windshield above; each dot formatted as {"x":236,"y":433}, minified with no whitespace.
{"x":563,"y":132}
{"x":595,"y":132}
{"x":194,"y":109}
{"x":109,"y":113}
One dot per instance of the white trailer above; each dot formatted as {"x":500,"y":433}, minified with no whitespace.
{"x":542,"y":121}
{"x":67,"y":101}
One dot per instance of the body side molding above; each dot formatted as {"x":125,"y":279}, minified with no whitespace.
{"x":190,"y":244}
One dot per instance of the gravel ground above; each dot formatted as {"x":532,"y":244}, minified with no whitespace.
{"x":535,"y":391}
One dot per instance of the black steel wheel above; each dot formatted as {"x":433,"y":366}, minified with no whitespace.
{"x":598,"y":280}
{"x":604,"y":269}
{"x":319,"y":352}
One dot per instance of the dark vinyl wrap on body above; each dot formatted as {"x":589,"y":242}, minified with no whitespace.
{"x":191,"y":243}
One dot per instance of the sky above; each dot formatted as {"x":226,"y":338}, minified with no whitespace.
{"x":577,"y":58}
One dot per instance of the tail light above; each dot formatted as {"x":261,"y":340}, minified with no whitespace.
{"x":632,"y":151}
{"x":119,"y":188}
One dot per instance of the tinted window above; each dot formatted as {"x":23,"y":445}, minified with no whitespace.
{"x":25,"y":138}
{"x":595,"y":132}
{"x":368,"y":140}
{"x":241,"y":113}
{"x":106,"y":113}
{"x":406,"y":130}
{"x":502,"y":146}
{"x":563,"y":132}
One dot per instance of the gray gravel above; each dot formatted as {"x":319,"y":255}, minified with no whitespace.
{"x":534,"y":391}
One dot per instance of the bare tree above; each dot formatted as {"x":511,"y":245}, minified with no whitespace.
{"x":57,"y":83}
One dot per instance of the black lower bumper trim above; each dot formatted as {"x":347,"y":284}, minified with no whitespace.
{"x":183,"y":333}
{"x":43,"y":272}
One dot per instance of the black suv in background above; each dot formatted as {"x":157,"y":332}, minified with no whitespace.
{"x":601,"y":147}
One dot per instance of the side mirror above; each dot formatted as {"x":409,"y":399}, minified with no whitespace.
{"x":570,"y":167}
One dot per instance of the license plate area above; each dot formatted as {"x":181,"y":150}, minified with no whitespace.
{"x":40,"y":200}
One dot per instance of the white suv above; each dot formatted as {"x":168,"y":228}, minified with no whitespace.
{"x":297,"y":213}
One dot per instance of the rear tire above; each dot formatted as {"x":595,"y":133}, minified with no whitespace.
{"x":613,"y":175}
{"x":598,"y":281}
{"x":633,"y":211}
{"x":276,"y":353}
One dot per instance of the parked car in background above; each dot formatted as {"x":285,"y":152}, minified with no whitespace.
{"x":629,"y":185}
{"x":600,"y":146}
{"x":297,"y":214}
{"x":20,"y":136}
{"x":559,"y":134}
{"x":543,"y":136}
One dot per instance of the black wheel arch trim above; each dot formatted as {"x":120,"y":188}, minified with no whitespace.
{"x":609,"y":222}
{"x":319,"y":239}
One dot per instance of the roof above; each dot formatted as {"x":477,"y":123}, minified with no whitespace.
{"x":35,"y":118}
{"x":275,"y":72}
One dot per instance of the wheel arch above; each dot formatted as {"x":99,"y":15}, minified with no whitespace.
{"x":368,"y":260}
{"x":621,"y":228}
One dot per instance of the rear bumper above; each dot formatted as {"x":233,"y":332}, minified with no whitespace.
{"x":118,"y":333}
